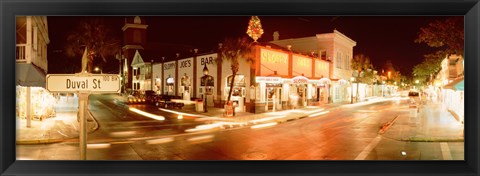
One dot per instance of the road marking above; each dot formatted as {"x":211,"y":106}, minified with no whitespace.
{"x":369,"y":148}
{"x":445,"y":151}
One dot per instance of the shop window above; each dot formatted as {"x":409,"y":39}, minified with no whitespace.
{"x":239,"y":81}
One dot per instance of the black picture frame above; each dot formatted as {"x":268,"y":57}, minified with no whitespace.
{"x":469,"y":8}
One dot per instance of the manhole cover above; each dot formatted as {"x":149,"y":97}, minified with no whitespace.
{"x":255,"y":156}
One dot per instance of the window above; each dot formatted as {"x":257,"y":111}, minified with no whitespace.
{"x":347,"y":62}
{"x":338,"y":60}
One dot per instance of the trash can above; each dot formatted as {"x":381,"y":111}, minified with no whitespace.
{"x":199,"y":105}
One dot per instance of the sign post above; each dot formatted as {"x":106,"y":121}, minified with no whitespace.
{"x":84,"y":84}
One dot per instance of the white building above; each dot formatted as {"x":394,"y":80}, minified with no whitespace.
{"x":335,"y":47}
{"x":32,"y":100}
{"x":451,"y":81}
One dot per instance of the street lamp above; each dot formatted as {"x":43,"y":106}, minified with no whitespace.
{"x":205,"y":78}
{"x":351,"y":90}
{"x":120,"y":57}
{"x":96,"y":69}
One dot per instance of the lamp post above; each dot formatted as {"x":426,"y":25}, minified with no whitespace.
{"x":205,"y":72}
{"x":351,"y":90}
{"x":120,"y":58}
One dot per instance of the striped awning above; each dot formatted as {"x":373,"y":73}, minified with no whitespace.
{"x":457,"y":84}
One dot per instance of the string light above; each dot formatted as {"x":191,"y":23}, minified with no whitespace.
{"x":254,"y":29}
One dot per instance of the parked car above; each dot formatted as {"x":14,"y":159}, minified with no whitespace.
{"x":150,"y":96}
{"x":136,"y":97}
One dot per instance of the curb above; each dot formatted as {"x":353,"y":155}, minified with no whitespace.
{"x":40,"y":141}
{"x":416,"y":139}
{"x":50,"y":141}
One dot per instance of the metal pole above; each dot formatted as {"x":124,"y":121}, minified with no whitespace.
{"x":28,"y":108}
{"x":351,"y":93}
{"x":205,"y":103}
{"x":83,"y":108}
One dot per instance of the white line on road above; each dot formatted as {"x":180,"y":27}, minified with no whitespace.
{"x":369,"y":148}
{"x":445,"y":151}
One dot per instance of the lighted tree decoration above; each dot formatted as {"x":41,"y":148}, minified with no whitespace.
{"x":255,"y":29}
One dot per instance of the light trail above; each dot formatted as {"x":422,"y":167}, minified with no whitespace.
{"x":146,"y":114}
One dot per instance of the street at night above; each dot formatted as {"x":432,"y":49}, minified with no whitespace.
{"x":347,"y":132}
{"x":240,"y":88}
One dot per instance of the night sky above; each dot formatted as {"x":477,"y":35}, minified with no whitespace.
{"x":380,"y":38}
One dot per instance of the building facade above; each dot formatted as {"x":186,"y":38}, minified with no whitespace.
{"x":134,"y":41}
{"x":449,"y":86}
{"x":334,"y":47}
{"x":33,"y":101}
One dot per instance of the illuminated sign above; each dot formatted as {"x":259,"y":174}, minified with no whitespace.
{"x":273,"y":57}
{"x":274,"y":80}
{"x":207,"y":60}
{"x":300,"y":80}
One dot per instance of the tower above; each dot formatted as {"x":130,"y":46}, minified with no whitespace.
{"x":134,"y":38}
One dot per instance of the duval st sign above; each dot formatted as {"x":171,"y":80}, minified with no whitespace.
{"x":93,"y":83}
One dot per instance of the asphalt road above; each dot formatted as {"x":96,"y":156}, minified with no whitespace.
{"x":350,"y":133}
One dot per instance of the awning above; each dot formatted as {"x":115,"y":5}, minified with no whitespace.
{"x":29,"y":75}
{"x":325,"y":81}
{"x":457,"y":84}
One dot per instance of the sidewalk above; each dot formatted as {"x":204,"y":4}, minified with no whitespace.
{"x":432,"y":124}
{"x":215,"y":116}
{"x":55,"y":129}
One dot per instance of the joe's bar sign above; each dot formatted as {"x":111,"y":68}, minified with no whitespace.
{"x":94,"y":83}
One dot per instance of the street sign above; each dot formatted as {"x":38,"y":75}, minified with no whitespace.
{"x":93,"y":83}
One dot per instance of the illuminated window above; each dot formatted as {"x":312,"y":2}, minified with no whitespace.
{"x":347,"y":62}
{"x":338,"y":60}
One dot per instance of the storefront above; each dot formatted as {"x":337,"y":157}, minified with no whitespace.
{"x":185,"y":75}
{"x":169,"y":72}
{"x":342,"y":91}
{"x":33,"y":101}
{"x":157,"y":78}
{"x":238,"y":92}
{"x":208,"y":61}
{"x":322,"y":90}
{"x":454,"y":98}
{"x":285,"y":80}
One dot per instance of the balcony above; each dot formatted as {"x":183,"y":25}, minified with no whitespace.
{"x":20,"y":54}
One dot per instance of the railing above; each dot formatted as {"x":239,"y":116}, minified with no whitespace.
{"x":20,"y":54}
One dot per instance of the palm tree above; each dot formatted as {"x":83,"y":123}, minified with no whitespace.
{"x":94,"y":34}
{"x":360,"y":63}
{"x":234,"y":49}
